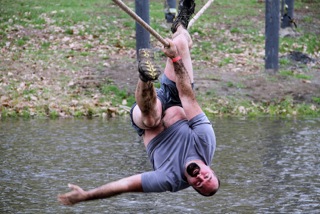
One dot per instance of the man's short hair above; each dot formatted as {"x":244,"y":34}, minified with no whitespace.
{"x":213,"y":192}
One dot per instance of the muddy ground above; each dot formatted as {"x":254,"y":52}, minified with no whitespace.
{"x":33,"y":85}
{"x":254,"y":84}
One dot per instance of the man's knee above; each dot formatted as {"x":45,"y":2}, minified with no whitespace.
{"x":147,"y":120}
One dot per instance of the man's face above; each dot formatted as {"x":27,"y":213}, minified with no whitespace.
{"x":202,"y":178}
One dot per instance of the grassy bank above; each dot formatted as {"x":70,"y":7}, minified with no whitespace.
{"x":61,"y":58}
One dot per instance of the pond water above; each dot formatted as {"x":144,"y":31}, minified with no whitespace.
{"x":265,"y":166}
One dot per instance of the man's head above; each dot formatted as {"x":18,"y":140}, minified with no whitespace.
{"x":202,"y":178}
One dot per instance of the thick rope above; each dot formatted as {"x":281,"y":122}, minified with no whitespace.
{"x":199,"y":13}
{"x":126,"y":9}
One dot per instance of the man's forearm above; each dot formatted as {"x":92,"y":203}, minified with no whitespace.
{"x":186,"y":94}
{"x":105,"y":191}
{"x":130,"y":184}
{"x":183,"y":80}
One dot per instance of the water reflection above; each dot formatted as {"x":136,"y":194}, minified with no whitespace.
{"x":266,"y":166}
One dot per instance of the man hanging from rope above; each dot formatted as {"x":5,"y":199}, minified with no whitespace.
{"x":178,"y":136}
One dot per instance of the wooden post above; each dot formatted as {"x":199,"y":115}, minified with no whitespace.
{"x":287,"y":8}
{"x":142,"y":35}
{"x":142,"y":23}
{"x":272,"y":36}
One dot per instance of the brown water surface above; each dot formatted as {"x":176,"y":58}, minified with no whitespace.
{"x":265,"y":166}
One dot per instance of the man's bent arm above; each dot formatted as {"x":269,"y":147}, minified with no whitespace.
{"x":183,"y":83}
{"x":186,"y":94}
{"x":124,"y":185}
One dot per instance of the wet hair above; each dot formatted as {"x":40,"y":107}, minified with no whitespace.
{"x":213,"y":192}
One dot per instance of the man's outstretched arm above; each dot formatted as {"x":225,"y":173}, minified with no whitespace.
{"x":124,"y":185}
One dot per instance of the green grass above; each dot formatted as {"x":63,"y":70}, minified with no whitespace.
{"x":101,"y":18}
{"x":284,"y":61}
{"x":116,"y":95}
{"x":73,"y":17}
{"x":297,"y":76}
{"x":316,"y":100}
{"x":231,"y":106}
{"x":308,"y":42}
{"x":225,"y":61}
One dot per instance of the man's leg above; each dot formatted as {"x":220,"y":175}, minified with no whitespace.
{"x":181,"y":38}
{"x":185,"y":11}
{"x":147,"y":112}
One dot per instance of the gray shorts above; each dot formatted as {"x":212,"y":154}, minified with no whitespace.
{"x":168,"y":96}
